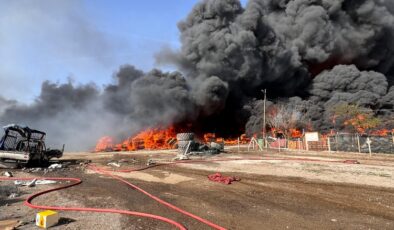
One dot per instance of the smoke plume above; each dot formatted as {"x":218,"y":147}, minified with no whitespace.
{"x":287,"y":47}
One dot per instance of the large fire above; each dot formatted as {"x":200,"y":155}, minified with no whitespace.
{"x":292,"y":132}
{"x":159,"y":138}
{"x":211,"y":137}
{"x":155,"y":138}
{"x":361,"y":125}
{"x":295,"y":133}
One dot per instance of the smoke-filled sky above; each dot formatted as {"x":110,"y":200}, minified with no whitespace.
{"x":85,"y":40}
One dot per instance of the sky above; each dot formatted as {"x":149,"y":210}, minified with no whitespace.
{"x":81,"y":41}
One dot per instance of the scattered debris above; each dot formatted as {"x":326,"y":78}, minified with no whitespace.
{"x":217,"y":177}
{"x":42,"y":182}
{"x":188,"y":146}
{"x":85,"y":163}
{"x":134,"y":161}
{"x":55,"y":166}
{"x":34,"y":182}
{"x":8,"y":174}
{"x":7,"y":190}
{"x":13,"y":195}
{"x":114,"y":164}
{"x":31,"y":183}
{"x":32,"y":170}
{"x":150,"y":162}
{"x":123,"y":161}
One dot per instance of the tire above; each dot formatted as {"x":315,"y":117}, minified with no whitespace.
{"x":184,"y":144}
{"x":182,"y":151}
{"x":185,"y":136}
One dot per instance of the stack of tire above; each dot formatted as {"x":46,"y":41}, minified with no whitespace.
{"x":183,"y":142}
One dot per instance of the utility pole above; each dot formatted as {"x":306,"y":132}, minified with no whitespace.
{"x":264,"y":124}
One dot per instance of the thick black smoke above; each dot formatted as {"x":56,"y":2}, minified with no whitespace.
{"x":317,"y":52}
{"x":80,"y":115}
{"x":345,"y":84}
{"x":282,"y":46}
{"x":149,"y":100}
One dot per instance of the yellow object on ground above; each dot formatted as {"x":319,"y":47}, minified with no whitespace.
{"x":47,"y":219}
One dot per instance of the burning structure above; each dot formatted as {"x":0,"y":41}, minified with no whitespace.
{"x":309,"y":54}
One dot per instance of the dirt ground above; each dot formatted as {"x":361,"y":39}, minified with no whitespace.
{"x":291,"y":193}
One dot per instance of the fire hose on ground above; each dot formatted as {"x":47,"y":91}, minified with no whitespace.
{"x":76,"y":181}
{"x":28,"y":202}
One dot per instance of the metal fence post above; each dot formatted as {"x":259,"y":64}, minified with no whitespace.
{"x":369,"y":146}
{"x":329,"y":144}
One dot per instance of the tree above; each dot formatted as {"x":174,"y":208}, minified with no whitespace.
{"x":285,"y":116}
{"x":355,"y":118}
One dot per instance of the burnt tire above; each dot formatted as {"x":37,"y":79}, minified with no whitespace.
{"x":185,"y":136}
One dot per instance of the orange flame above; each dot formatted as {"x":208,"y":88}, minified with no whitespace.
{"x":104,"y":144}
{"x":158,"y":138}
{"x":382,"y":132}
{"x":295,"y":133}
{"x":155,"y":138}
{"x":211,"y":137}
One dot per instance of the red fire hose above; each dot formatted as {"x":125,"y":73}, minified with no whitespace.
{"x":202,"y":220}
{"x":28,"y":201}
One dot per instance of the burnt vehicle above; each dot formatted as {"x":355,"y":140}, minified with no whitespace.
{"x":25,"y":146}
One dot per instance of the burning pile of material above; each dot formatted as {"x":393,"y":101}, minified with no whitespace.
{"x":310,"y":54}
{"x":148,"y":139}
